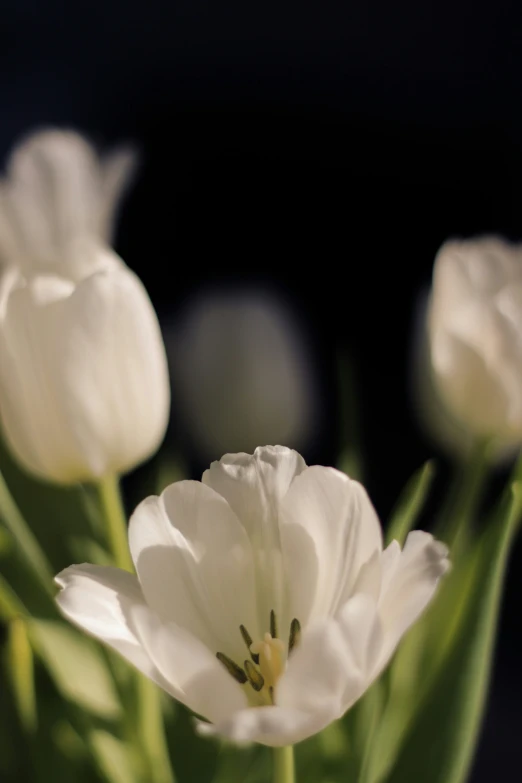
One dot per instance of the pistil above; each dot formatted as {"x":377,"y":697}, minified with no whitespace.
{"x":269,"y":657}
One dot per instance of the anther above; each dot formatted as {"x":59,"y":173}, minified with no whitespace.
{"x":248,"y":641}
{"x":255,"y":678}
{"x":295,"y":634}
{"x":273,"y":624}
{"x":271,"y":693}
{"x":232,"y":668}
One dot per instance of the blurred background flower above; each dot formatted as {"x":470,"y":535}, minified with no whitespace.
{"x":84,"y":390}
{"x":474,"y":325}
{"x":241,"y":373}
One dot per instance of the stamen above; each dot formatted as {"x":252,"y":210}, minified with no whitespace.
{"x":255,"y":678}
{"x":271,"y":693}
{"x":273,"y":624}
{"x":295,"y":634}
{"x":248,"y":641}
{"x":232,"y":668}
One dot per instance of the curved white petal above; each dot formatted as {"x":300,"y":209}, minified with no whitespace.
{"x":195,"y":564}
{"x":410,"y":579}
{"x":83,"y":376}
{"x":273,"y":726}
{"x":254,"y":486}
{"x":321,"y":672}
{"x":470,"y":386}
{"x":196,"y":676}
{"x":58,"y":195}
{"x":101,"y":600}
{"x":329,"y":531}
{"x":117,"y":172}
{"x":475,"y":337}
{"x":363,"y":634}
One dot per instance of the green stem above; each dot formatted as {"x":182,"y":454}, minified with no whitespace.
{"x":463,"y":501}
{"x":149,"y":716}
{"x":116,"y":521}
{"x":284,"y":770}
{"x":152,"y":732}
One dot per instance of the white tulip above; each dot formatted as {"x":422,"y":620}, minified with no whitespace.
{"x":241,"y":374}
{"x":263,"y":598}
{"x":84,"y":386}
{"x":58,"y":203}
{"x":475,"y":337}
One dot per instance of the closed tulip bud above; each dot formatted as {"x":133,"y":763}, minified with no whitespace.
{"x":241,"y":373}
{"x":84,"y":389}
{"x":474,"y":340}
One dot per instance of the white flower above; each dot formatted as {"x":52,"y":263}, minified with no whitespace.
{"x":241,"y":374}
{"x":84,"y":388}
{"x":58,"y":203}
{"x":475,"y":336}
{"x":263,"y":598}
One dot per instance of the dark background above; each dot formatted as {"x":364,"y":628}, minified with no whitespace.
{"x":323,"y":149}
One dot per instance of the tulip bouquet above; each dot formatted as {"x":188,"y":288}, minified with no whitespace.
{"x":257,"y":624}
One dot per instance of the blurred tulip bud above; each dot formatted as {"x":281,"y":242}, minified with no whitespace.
{"x":471,"y":365}
{"x":241,"y":375}
{"x":58,"y":203}
{"x":84,"y":388}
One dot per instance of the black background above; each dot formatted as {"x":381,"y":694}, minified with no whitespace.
{"x":323,"y":149}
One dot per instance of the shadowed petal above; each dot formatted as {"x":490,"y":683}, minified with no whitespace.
{"x":194,"y":562}
{"x":329,"y":531}
{"x":100,"y":600}
{"x":410,"y":579}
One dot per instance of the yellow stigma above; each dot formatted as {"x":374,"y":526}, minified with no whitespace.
{"x":272,"y":658}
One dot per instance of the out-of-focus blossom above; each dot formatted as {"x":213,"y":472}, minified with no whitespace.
{"x":84,"y":387}
{"x":83,"y":374}
{"x":263,"y":598}
{"x":472,"y":381}
{"x":241,"y":373}
{"x":58,"y":202}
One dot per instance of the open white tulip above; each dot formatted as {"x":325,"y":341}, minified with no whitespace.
{"x":475,"y":337}
{"x":58,"y":203}
{"x":84,"y":388}
{"x":263,"y":598}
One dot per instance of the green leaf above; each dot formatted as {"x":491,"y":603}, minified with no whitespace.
{"x":77,"y":666}
{"x":410,"y":504}
{"x":440,"y":744}
{"x":112,"y":757}
{"x":20,"y":667}
{"x":25,"y":540}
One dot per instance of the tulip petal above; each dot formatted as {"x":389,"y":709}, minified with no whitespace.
{"x":194,"y":561}
{"x":254,"y":486}
{"x":410,"y":579}
{"x":83,"y":374}
{"x":195,"y":674}
{"x":101,"y":600}
{"x":273,"y":726}
{"x":58,"y":195}
{"x":362,"y":630}
{"x":320,"y":672}
{"x":51,"y":187}
{"x":329,"y":531}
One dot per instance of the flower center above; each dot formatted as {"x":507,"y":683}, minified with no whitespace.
{"x":272,"y":658}
{"x":268,"y":659}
